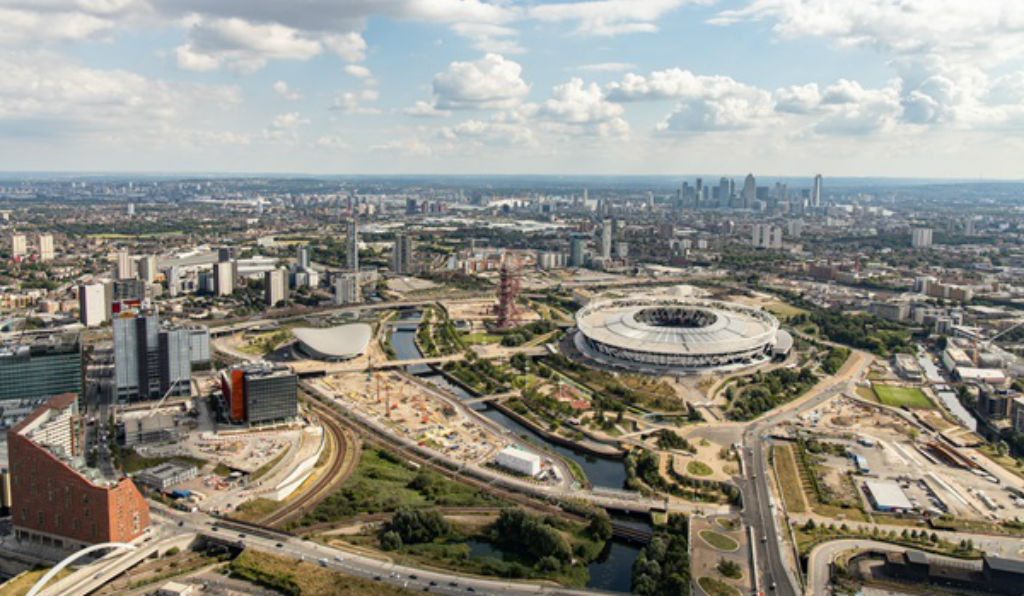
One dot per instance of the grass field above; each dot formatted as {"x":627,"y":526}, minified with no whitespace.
{"x":289,"y":576}
{"x":893,"y":395}
{"x":20,"y":585}
{"x":719,"y":541}
{"x":480,"y":338}
{"x":783,"y":310}
{"x":698,"y":468}
{"x":789,"y":479}
{"x":716,"y":587}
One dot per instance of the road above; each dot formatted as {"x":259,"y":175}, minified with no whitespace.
{"x":775,"y":574}
{"x":358,"y":564}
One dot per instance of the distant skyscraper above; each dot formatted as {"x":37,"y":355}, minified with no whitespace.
{"x":749,"y":191}
{"x":92,"y":304}
{"x":131,"y":209}
{"x":19,"y":248}
{"x":921,"y":237}
{"x":606,"y":239}
{"x":147,"y":269}
{"x":346,"y":289}
{"x":816,"y":192}
{"x":352,"y":252}
{"x":698,"y":193}
{"x":723,"y":192}
{"x":304,"y":256}
{"x":402,"y":255}
{"x":577,"y":252}
{"x":766,"y":236}
{"x":224,"y":278}
{"x":124,"y":265}
{"x":276,"y":286}
{"x":46,"y":247}
{"x":650,"y":201}
{"x":40,"y":367}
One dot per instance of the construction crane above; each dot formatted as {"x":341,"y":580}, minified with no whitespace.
{"x":159,"y":403}
{"x":988,"y":342}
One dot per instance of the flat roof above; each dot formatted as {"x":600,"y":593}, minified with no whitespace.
{"x":343,"y":341}
{"x":888,"y":494}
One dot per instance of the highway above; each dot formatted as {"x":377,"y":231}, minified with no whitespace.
{"x":776,"y":575}
{"x":440,"y":582}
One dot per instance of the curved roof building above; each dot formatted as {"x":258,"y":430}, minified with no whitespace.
{"x":673,"y":335}
{"x":343,"y":342}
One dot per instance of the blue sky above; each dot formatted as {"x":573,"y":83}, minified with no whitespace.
{"x":927,"y":88}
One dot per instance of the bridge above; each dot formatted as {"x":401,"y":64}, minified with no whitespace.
{"x":491,"y":398}
{"x":386,"y":364}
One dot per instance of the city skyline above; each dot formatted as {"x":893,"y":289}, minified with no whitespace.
{"x":471,"y":87}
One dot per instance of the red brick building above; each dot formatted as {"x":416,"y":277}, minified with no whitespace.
{"x":55,"y":499}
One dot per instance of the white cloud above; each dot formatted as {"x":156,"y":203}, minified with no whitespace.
{"x":281,"y":88}
{"x":488,"y":37}
{"x":607,"y":67}
{"x":242,"y":46}
{"x":424,"y":109}
{"x":351,"y":102}
{"x":332,"y":142}
{"x":22,"y":26}
{"x":358,"y":71}
{"x":349,"y":46}
{"x":585,"y":108}
{"x":490,"y":133}
{"x":675,"y":83}
{"x":285,"y":127}
{"x":608,"y":17}
{"x":490,"y":82}
{"x":43,"y":94}
{"x":797,"y":99}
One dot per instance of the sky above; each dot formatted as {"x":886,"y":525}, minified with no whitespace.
{"x":904,"y":88}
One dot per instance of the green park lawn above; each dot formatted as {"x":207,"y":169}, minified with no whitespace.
{"x":893,"y":395}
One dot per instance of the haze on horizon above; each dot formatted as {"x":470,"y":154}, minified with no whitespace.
{"x":912,"y":88}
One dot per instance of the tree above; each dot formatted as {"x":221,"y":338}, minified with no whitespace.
{"x":600,"y":527}
{"x":390,"y":541}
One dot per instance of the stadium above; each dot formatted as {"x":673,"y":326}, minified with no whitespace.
{"x":674,"y":335}
{"x":333,"y":344}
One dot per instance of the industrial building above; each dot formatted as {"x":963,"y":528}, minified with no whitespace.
{"x":57,"y":501}
{"x":519,"y":461}
{"x":260,"y":393}
{"x":166,"y":475}
{"x":887,"y":496}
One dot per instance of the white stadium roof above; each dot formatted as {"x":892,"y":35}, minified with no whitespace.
{"x":341,"y":342}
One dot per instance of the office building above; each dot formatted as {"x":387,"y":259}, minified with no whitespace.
{"x":57,"y":501}
{"x":175,"y":353}
{"x":19,"y":247}
{"x":199,"y":346}
{"x":276,"y":286}
{"x":577,"y":252}
{"x":131,"y":209}
{"x":749,"y":191}
{"x":766,"y":236}
{"x":303,"y":256}
{"x":40,"y":366}
{"x":225,"y":254}
{"x":46,"y":247}
{"x":622,"y":250}
{"x":260,"y":393}
{"x":346,"y":289}
{"x":150,"y":363}
{"x":816,"y":192}
{"x":606,"y":239}
{"x":127,"y":290}
{"x":352,"y":250}
{"x":124,"y":265}
{"x":402,"y":255}
{"x":921,"y":237}
{"x":146,"y":268}
{"x":519,"y":461}
{"x":173,"y":278}
{"x":92,"y":304}
{"x":223,"y":278}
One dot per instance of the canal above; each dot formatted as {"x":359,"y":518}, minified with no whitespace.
{"x":612,"y":571}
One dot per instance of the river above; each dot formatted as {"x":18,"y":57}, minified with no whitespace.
{"x":612,"y":570}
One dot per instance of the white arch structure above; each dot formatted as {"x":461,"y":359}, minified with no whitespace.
{"x":72,"y":558}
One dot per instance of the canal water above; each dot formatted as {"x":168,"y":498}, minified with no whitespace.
{"x":613,"y":569}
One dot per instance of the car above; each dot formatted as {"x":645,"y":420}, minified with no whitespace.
{"x":453,"y":584}
{"x":772,"y":587}
{"x":336,"y":558}
{"x":470,"y":589}
{"x":279,"y":545}
{"x":241,"y":535}
{"x":426,"y":588}
{"x":433,"y":583}
{"x":323,"y":562}
{"x":413,"y":576}
{"x":180,"y":523}
{"x":764,"y":538}
{"x":98,"y":575}
{"x":376,"y":578}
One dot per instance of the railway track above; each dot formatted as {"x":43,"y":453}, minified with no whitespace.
{"x":345,"y":455}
